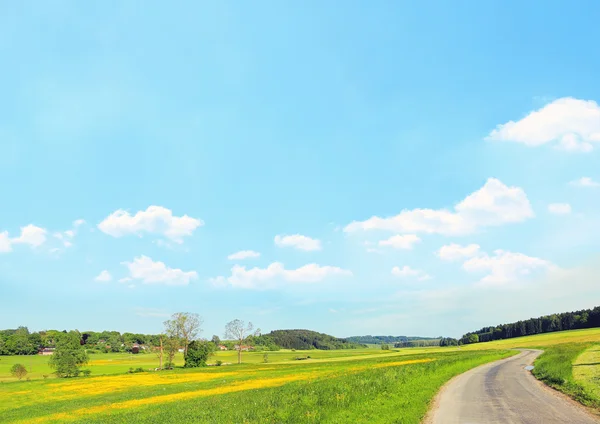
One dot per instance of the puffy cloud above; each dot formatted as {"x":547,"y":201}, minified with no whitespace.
{"x":585,"y":182}
{"x":78,"y":223}
{"x":298,"y":241}
{"x":275,"y":273}
{"x":571,"y":123}
{"x":505,"y":267}
{"x":492,"y":205}
{"x":454,"y":252}
{"x":5,"y":243}
{"x":401,"y":242}
{"x":154,"y":220}
{"x":243,"y":254}
{"x":104,"y":277}
{"x":31,"y":235}
{"x":150,"y":272}
{"x":408,"y":272}
{"x":559,"y":208}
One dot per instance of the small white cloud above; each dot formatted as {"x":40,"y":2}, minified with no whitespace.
{"x":5,"y":243}
{"x":243,"y":254}
{"x":505,"y":267}
{"x":78,"y":223}
{"x":150,"y":272}
{"x":573,"y":124}
{"x":453,"y":251}
{"x":585,"y":182}
{"x":125,"y":280}
{"x":154,"y":220}
{"x":151,"y":312}
{"x":401,"y":241}
{"x":559,"y":208}
{"x":493,"y":204}
{"x":104,"y":277}
{"x":298,"y":241}
{"x":333,"y":311}
{"x":408,"y":272}
{"x":31,"y":235}
{"x":274,"y":274}
{"x":70,"y":233}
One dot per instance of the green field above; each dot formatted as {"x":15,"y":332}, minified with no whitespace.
{"x":365,"y":385}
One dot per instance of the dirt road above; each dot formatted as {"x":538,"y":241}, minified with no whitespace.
{"x":504,"y":392}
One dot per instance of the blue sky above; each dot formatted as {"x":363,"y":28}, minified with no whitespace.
{"x":142,"y":144}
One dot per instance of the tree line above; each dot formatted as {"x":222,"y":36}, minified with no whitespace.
{"x":307,"y":339}
{"x":385,"y":339}
{"x":585,"y":318}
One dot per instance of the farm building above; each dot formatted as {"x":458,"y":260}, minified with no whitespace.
{"x":46,"y":351}
{"x":221,"y":347}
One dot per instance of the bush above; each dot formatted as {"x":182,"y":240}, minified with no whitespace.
{"x":18,"y":370}
{"x":197,"y":354}
{"x":218,"y":363}
{"x":86,"y":373}
{"x":266,"y":358}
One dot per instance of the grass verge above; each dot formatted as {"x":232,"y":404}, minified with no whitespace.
{"x":555,"y":368}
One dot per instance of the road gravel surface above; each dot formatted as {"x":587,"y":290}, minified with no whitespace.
{"x":505,"y":392}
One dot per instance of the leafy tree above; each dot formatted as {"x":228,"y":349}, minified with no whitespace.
{"x":238,"y":330}
{"x":69,"y":355}
{"x":216,"y":340}
{"x":198,"y":353}
{"x":185,"y":326}
{"x":18,"y":370}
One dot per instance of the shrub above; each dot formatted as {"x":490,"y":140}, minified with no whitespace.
{"x":197,"y":354}
{"x":86,"y":373}
{"x":266,"y":358}
{"x":218,"y":363}
{"x":18,"y":370}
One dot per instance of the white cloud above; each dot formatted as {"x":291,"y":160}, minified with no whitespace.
{"x":5,"y":243}
{"x":585,"y":182}
{"x":275,"y":273}
{"x":454,"y":252}
{"x":243,"y":254}
{"x":78,"y":222}
{"x":31,"y":235}
{"x":408,"y":272}
{"x":154,"y":220}
{"x":125,"y":280}
{"x":492,"y":205}
{"x":505,"y":267}
{"x":104,"y":277}
{"x":572,"y":123}
{"x":150,"y":272}
{"x":401,"y":242}
{"x":151,"y":312}
{"x":559,"y":208}
{"x":298,"y":241}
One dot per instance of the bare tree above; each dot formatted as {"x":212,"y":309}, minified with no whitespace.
{"x":158,"y":349}
{"x":238,"y":330}
{"x":184,"y":326}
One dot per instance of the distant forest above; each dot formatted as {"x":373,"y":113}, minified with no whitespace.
{"x":386,"y":339}
{"x":585,"y":318}
{"x":306,"y":339}
{"x":21,"y":341}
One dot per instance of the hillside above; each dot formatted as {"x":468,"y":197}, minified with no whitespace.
{"x":307,"y":339}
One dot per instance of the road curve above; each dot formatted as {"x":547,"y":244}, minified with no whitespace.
{"x":504,"y":392}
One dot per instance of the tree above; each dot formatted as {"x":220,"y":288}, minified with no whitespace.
{"x":158,"y":349}
{"x":18,"y":370}
{"x":216,"y":340}
{"x":238,"y":330}
{"x":198,"y":353}
{"x":185,"y":326}
{"x":69,"y":355}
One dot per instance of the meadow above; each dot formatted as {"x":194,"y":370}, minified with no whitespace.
{"x":366,"y":385}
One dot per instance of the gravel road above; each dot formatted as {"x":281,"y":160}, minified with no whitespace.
{"x":504,"y":392}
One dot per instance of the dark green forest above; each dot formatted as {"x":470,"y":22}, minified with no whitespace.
{"x":307,"y":339}
{"x":585,"y":318}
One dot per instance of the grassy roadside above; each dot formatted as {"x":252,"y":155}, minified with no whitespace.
{"x":555,"y":368}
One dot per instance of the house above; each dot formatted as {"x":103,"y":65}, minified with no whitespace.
{"x":221,"y":347}
{"x":181,"y":350}
{"x":244,"y":348}
{"x":135,"y":348}
{"x":46,"y":351}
